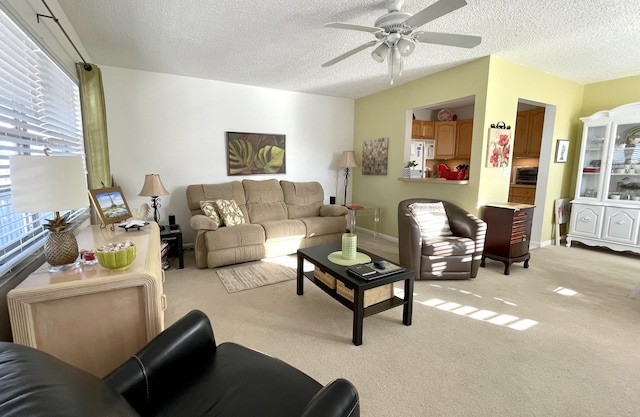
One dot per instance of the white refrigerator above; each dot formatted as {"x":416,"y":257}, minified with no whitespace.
{"x":422,"y":151}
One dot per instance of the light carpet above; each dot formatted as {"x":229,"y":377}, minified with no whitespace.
{"x":257,"y":274}
{"x":560,"y":338}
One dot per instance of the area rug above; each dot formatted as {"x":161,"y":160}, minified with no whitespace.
{"x":258,"y":274}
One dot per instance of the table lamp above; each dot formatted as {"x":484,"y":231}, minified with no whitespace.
{"x":43,"y":184}
{"x":347,"y":161}
{"x":153,"y":188}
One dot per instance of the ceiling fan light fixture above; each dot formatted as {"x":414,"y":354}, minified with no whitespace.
{"x":381,"y":52}
{"x":406,"y":46}
{"x":395,"y":63}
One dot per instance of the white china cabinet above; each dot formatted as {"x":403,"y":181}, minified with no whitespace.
{"x":606,"y":208}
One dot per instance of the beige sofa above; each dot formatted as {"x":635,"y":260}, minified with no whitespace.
{"x":280,"y":217}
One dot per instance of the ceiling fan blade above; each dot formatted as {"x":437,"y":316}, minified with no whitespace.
{"x":349,"y":53}
{"x":436,"y":10}
{"x":349,"y":26}
{"x":450,"y":39}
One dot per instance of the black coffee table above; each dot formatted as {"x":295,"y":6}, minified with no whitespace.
{"x":318,"y":256}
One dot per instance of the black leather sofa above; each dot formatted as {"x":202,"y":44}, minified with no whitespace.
{"x":181,"y":372}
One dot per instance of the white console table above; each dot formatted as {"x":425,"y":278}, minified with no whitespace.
{"x":92,"y":317}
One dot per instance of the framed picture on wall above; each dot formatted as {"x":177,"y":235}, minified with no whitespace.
{"x":110,"y":205}
{"x":255,"y":153}
{"x":375,"y":155}
{"x":499,"y":148}
{"x":562,"y":150}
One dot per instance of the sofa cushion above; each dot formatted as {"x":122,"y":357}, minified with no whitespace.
{"x":238,"y":382}
{"x":333,"y":211}
{"x":202,"y":222}
{"x":229,"y":212}
{"x":35,"y":383}
{"x":211,"y":192}
{"x":265,"y":200}
{"x":303,"y":199}
{"x":234,"y":237}
{"x":283,"y":229}
{"x":209,"y":209}
{"x":447,"y":246}
{"x":431,"y":218}
{"x":319,"y":226}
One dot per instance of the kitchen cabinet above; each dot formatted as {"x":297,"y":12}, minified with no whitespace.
{"x":508,"y":234}
{"x":525,"y":194}
{"x":606,"y":208}
{"x":445,"y":135}
{"x":528,"y":133}
{"x":422,"y":129}
{"x":464,"y":136}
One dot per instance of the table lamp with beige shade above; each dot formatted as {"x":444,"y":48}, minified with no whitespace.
{"x":153,"y":188}
{"x":43,"y":184}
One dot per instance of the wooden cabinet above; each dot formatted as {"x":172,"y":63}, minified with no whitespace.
{"x":464,"y":136}
{"x":508,"y":234}
{"x":525,"y":194}
{"x":528,"y":133}
{"x":92,"y":317}
{"x":422,"y":129}
{"x":445,"y":135}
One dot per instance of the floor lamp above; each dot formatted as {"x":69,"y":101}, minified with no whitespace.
{"x":347,"y":161}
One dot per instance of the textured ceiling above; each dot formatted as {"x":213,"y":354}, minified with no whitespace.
{"x":282,"y":44}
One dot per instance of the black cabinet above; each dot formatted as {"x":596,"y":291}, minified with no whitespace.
{"x":171,"y":245}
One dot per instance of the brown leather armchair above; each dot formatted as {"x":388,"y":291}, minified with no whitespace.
{"x":442,"y":257}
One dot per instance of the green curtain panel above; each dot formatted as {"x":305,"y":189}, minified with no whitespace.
{"x":94,"y":124}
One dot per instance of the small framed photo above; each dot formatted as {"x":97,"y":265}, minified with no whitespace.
{"x":562,"y":150}
{"x":110,"y":204}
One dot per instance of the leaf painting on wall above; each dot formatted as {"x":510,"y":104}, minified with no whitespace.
{"x":255,"y":153}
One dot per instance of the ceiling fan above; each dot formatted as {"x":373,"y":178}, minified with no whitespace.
{"x":396,"y":34}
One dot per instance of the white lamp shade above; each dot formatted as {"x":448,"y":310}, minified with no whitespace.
{"x":153,"y":186}
{"x":406,"y":46}
{"x":347,"y":160}
{"x":381,"y":52}
{"x":47,"y":183}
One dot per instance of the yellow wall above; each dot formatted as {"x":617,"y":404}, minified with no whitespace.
{"x":510,"y":82}
{"x":607,"y":95}
{"x":497,"y":85}
{"x":385,"y":115}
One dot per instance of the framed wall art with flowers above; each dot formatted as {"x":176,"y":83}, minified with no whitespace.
{"x":499,"y":148}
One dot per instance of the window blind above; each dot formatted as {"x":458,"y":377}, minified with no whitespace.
{"x":39,"y":108}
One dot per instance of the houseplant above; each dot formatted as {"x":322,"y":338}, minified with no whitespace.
{"x":409,"y":172}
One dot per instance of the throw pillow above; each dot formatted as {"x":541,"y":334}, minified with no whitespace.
{"x":230,"y":212}
{"x":431,"y":218}
{"x":209,"y":209}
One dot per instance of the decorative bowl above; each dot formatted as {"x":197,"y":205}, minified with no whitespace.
{"x":116,"y":258}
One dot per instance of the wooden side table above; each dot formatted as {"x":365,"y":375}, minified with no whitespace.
{"x":92,"y":317}
{"x":508,"y":233}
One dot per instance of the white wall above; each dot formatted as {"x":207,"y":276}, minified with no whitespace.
{"x":175,"y":126}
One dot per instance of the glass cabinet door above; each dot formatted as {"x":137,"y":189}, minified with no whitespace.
{"x":593,"y":162}
{"x":624,"y":181}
